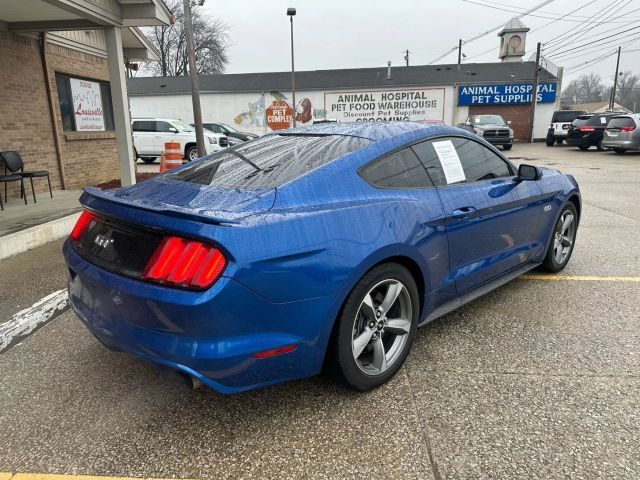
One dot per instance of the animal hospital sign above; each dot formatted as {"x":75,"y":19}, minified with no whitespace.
{"x":506,"y":94}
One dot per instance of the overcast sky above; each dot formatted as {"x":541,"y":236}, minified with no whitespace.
{"x":367,"y":33}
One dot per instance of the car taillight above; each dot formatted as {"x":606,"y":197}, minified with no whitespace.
{"x":627,"y":129}
{"x":82,"y":224}
{"x":585,"y":128}
{"x":566,"y":127}
{"x":184,"y":263}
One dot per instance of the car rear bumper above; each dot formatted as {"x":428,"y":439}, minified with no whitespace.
{"x":627,"y":144}
{"x":557,"y":133}
{"x":211,"y":335}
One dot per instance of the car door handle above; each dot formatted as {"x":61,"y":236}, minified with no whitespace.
{"x":463,"y":212}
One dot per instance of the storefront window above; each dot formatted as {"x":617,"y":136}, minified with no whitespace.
{"x":85,"y":105}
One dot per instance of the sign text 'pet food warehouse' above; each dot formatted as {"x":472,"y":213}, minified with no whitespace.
{"x":387,"y":105}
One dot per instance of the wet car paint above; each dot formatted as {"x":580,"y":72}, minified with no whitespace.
{"x":293,"y":259}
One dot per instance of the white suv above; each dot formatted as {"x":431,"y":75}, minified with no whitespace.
{"x":150,"y":135}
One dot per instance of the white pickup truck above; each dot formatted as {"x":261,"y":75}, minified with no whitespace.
{"x":150,"y":135}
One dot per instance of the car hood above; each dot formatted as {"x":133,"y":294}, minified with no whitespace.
{"x":188,"y":199}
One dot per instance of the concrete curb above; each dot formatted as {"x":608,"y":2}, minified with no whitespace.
{"x":33,"y":237}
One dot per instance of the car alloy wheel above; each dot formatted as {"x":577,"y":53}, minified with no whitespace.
{"x":192,"y":154}
{"x":381,"y":327}
{"x":564,"y":237}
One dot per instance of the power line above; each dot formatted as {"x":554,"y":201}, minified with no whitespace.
{"x":571,"y":34}
{"x":583,"y":32}
{"x":577,"y":17}
{"x":597,"y":41}
{"x":484,"y":34}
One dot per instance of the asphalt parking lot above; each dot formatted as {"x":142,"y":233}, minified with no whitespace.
{"x":539,"y":379}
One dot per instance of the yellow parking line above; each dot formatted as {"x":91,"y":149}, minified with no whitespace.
{"x":579,"y":278}
{"x":51,"y":476}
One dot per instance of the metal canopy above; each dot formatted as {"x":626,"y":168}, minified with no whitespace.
{"x":56,"y":15}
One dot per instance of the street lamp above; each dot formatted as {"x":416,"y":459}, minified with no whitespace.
{"x":291,"y":13}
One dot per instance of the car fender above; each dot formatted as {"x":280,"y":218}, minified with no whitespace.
{"x":375,"y":258}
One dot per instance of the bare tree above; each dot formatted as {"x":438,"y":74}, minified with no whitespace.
{"x":585,"y":89}
{"x":628,"y":91}
{"x":170,"y":41}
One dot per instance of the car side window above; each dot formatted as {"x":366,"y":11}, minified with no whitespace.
{"x":216,"y":128}
{"x":401,"y":169}
{"x":144,"y":126}
{"x":164,"y":127}
{"x":478,"y":162}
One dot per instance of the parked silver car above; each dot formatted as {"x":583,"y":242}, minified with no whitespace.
{"x":623,"y":133}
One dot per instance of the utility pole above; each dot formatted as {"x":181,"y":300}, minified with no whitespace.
{"x":193,"y":73}
{"x":615,"y":81}
{"x":534,"y":89}
{"x":459,"y":51}
{"x":291,"y":13}
{"x":406,"y":57}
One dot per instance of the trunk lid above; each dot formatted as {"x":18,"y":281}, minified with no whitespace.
{"x":190,"y":200}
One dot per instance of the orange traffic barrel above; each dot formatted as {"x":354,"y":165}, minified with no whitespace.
{"x":172,"y":156}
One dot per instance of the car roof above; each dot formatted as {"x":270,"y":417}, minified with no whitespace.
{"x":376,"y":131}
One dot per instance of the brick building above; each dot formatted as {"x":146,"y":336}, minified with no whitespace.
{"x":55,"y":55}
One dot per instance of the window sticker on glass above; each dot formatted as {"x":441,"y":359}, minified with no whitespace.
{"x":450,"y":161}
{"x":603,"y":119}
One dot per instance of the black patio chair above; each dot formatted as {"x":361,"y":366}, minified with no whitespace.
{"x":12,"y":178}
{"x":13,"y":162}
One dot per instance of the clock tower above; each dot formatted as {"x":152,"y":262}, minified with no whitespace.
{"x":513,"y":41}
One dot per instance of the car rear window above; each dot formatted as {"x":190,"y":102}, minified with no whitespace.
{"x":619,"y":122}
{"x":269,"y":161}
{"x":581,"y":120}
{"x":563,"y":117}
{"x":599,"y":120}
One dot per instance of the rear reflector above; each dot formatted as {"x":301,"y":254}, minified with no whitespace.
{"x":184,"y":263}
{"x":82,"y":224}
{"x":276,"y":351}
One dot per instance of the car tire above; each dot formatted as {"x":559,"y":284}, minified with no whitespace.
{"x":619,"y":151}
{"x":563,"y":239}
{"x":584,"y":148}
{"x":507,"y":147}
{"x":551,"y":141}
{"x":600,"y":147}
{"x":148,"y":159}
{"x":191,"y":153}
{"x":382,"y":352}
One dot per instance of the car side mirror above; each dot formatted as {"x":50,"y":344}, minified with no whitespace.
{"x":173,"y":130}
{"x":509,"y":122}
{"x":528,"y":172}
{"x":468,"y":123}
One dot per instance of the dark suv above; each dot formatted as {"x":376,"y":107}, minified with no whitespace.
{"x":588,"y":130}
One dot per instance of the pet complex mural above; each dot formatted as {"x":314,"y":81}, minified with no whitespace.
{"x":278,"y":114}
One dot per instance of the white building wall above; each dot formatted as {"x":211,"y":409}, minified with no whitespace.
{"x":246,"y":111}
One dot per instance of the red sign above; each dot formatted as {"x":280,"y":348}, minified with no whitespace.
{"x":279,"y":115}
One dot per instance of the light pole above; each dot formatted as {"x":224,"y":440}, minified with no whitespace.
{"x":291,"y":13}
{"x":193,"y":73}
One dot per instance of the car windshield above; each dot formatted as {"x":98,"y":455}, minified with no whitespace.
{"x":229,"y":128}
{"x":489,"y":120}
{"x":269,"y":161}
{"x":180,"y":125}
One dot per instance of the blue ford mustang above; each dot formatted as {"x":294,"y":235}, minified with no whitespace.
{"x":326,"y":245}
